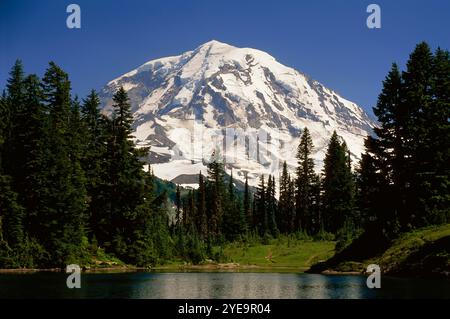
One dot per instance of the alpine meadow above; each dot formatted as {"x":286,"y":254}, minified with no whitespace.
{"x":76,"y":188}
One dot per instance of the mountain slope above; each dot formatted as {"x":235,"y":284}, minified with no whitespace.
{"x":423,"y":252}
{"x":184,"y":106}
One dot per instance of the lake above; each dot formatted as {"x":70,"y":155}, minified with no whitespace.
{"x":155,"y":285}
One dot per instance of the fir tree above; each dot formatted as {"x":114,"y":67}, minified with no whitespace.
{"x":125,"y":177}
{"x":438,"y":140}
{"x":247,"y":205}
{"x":178,"y":206}
{"x":283,"y":203}
{"x":234,"y":222}
{"x":304,"y":181}
{"x":271,"y":207}
{"x":261,"y":220}
{"x":62,"y":202}
{"x":201,"y":208}
{"x":216,"y":193}
{"x":93,"y":162}
{"x":337,"y":186}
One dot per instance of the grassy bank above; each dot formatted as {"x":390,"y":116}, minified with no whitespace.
{"x":279,"y":253}
{"x":424,"y":252}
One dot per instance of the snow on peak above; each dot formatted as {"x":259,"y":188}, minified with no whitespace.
{"x":223,"y":86}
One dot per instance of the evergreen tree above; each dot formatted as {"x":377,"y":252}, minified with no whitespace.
{"x":283,"y":213}
{"x":247,"y":205}
{"x":271,"y":207}
{"x":291,"y":205}
{"x":216,"y":191}
{"x":304,"y":181}
{"x":201,"y":208}
{"x":438,"y":141}
{"x":62,"y":191}
{"x":234,"y":220}
{"x":261,"y":219}
{"x":93,"y":162}
{"x":315,"y":223}
{"x":12,"y":108}
{"x":426,"y":92}
{"x":407,"y":160}
{"x":125,"y":177}
{"x":178,"y":206}
{"x":338,"y":186}
{"x":13,"y":114}
{"x":152,"y":238}
{"x":383,"y":167}
{"x":32,"y":144}
{"x":417,"y":93}
{"x":369,"y":189}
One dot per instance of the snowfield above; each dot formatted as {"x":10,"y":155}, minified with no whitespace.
{"x":238,"y":100}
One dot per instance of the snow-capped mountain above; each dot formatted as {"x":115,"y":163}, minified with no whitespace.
{"x":239,"y":100}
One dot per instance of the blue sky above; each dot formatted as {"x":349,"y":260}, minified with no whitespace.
{"x":327,"y":40}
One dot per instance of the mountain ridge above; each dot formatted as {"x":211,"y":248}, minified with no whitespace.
{"x":218,"y":87}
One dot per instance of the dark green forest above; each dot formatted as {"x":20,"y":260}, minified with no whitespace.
{"x":73,"y":184}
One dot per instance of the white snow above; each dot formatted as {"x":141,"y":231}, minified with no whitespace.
{"x":243,"y":73}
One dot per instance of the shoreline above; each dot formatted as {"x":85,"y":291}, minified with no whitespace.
{"x":219,"y":267}
{"x":210,"y":267}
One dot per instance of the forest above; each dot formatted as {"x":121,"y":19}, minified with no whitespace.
{"x":73,"y":184}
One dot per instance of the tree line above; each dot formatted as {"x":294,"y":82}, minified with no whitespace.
{"x":400,"y":183}
{"x":303,"y":202}
{"x":72,"y":183}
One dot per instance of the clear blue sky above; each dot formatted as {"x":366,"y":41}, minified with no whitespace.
{"x":328,"y":40}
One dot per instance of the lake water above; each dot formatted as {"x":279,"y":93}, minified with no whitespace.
{"x":151,"y":285}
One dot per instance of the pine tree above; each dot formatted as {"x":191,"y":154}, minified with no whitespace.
{"x":233,"y":220}
{"x":62,"y":194}
{"x":304,"y":181}
{"x":78,"y":195}
{"x":438,"y":140}
{"x":93,"y":161}
{"x":417,"y":86}
{"x":291,"y":205}
{"x":407,"y":161}
{"x":283,"y":204}
{"x":383,"y":167}
{"x":316,"y":221}
{"x":271,"y":207}
{"x":178,"y":206}
{"x":152,"y":239}
{"x":216,"y":191}
{"x":11,"y":108}
{"x":13,"y":118}
{"x":32,"y":145}
{"x":201,"y":208}
{"x":247,"y":205}
{"x":260,"y":214}
{"x":125,"y":177}
{"x":338,"y":186}
{"x":369,"y":189}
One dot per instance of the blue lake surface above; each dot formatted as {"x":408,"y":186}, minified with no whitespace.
{"x":156,"y":285}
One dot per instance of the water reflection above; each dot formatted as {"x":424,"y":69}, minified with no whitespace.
{"x":217,"y":285}
{"x":249,"y":285}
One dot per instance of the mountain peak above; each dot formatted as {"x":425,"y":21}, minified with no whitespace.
{"x":213,"y":47}
{"x":214,"y":43}
{"x":221,"y":86}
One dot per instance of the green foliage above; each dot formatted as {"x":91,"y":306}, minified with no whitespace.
{"x":306,"y":180}
{"x":286,"y":251}
{"x":404,"y":176}
{"x":338,"y":186}
{"x":73,"y":188}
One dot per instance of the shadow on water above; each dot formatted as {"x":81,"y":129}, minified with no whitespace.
{"x":151,"y":285}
